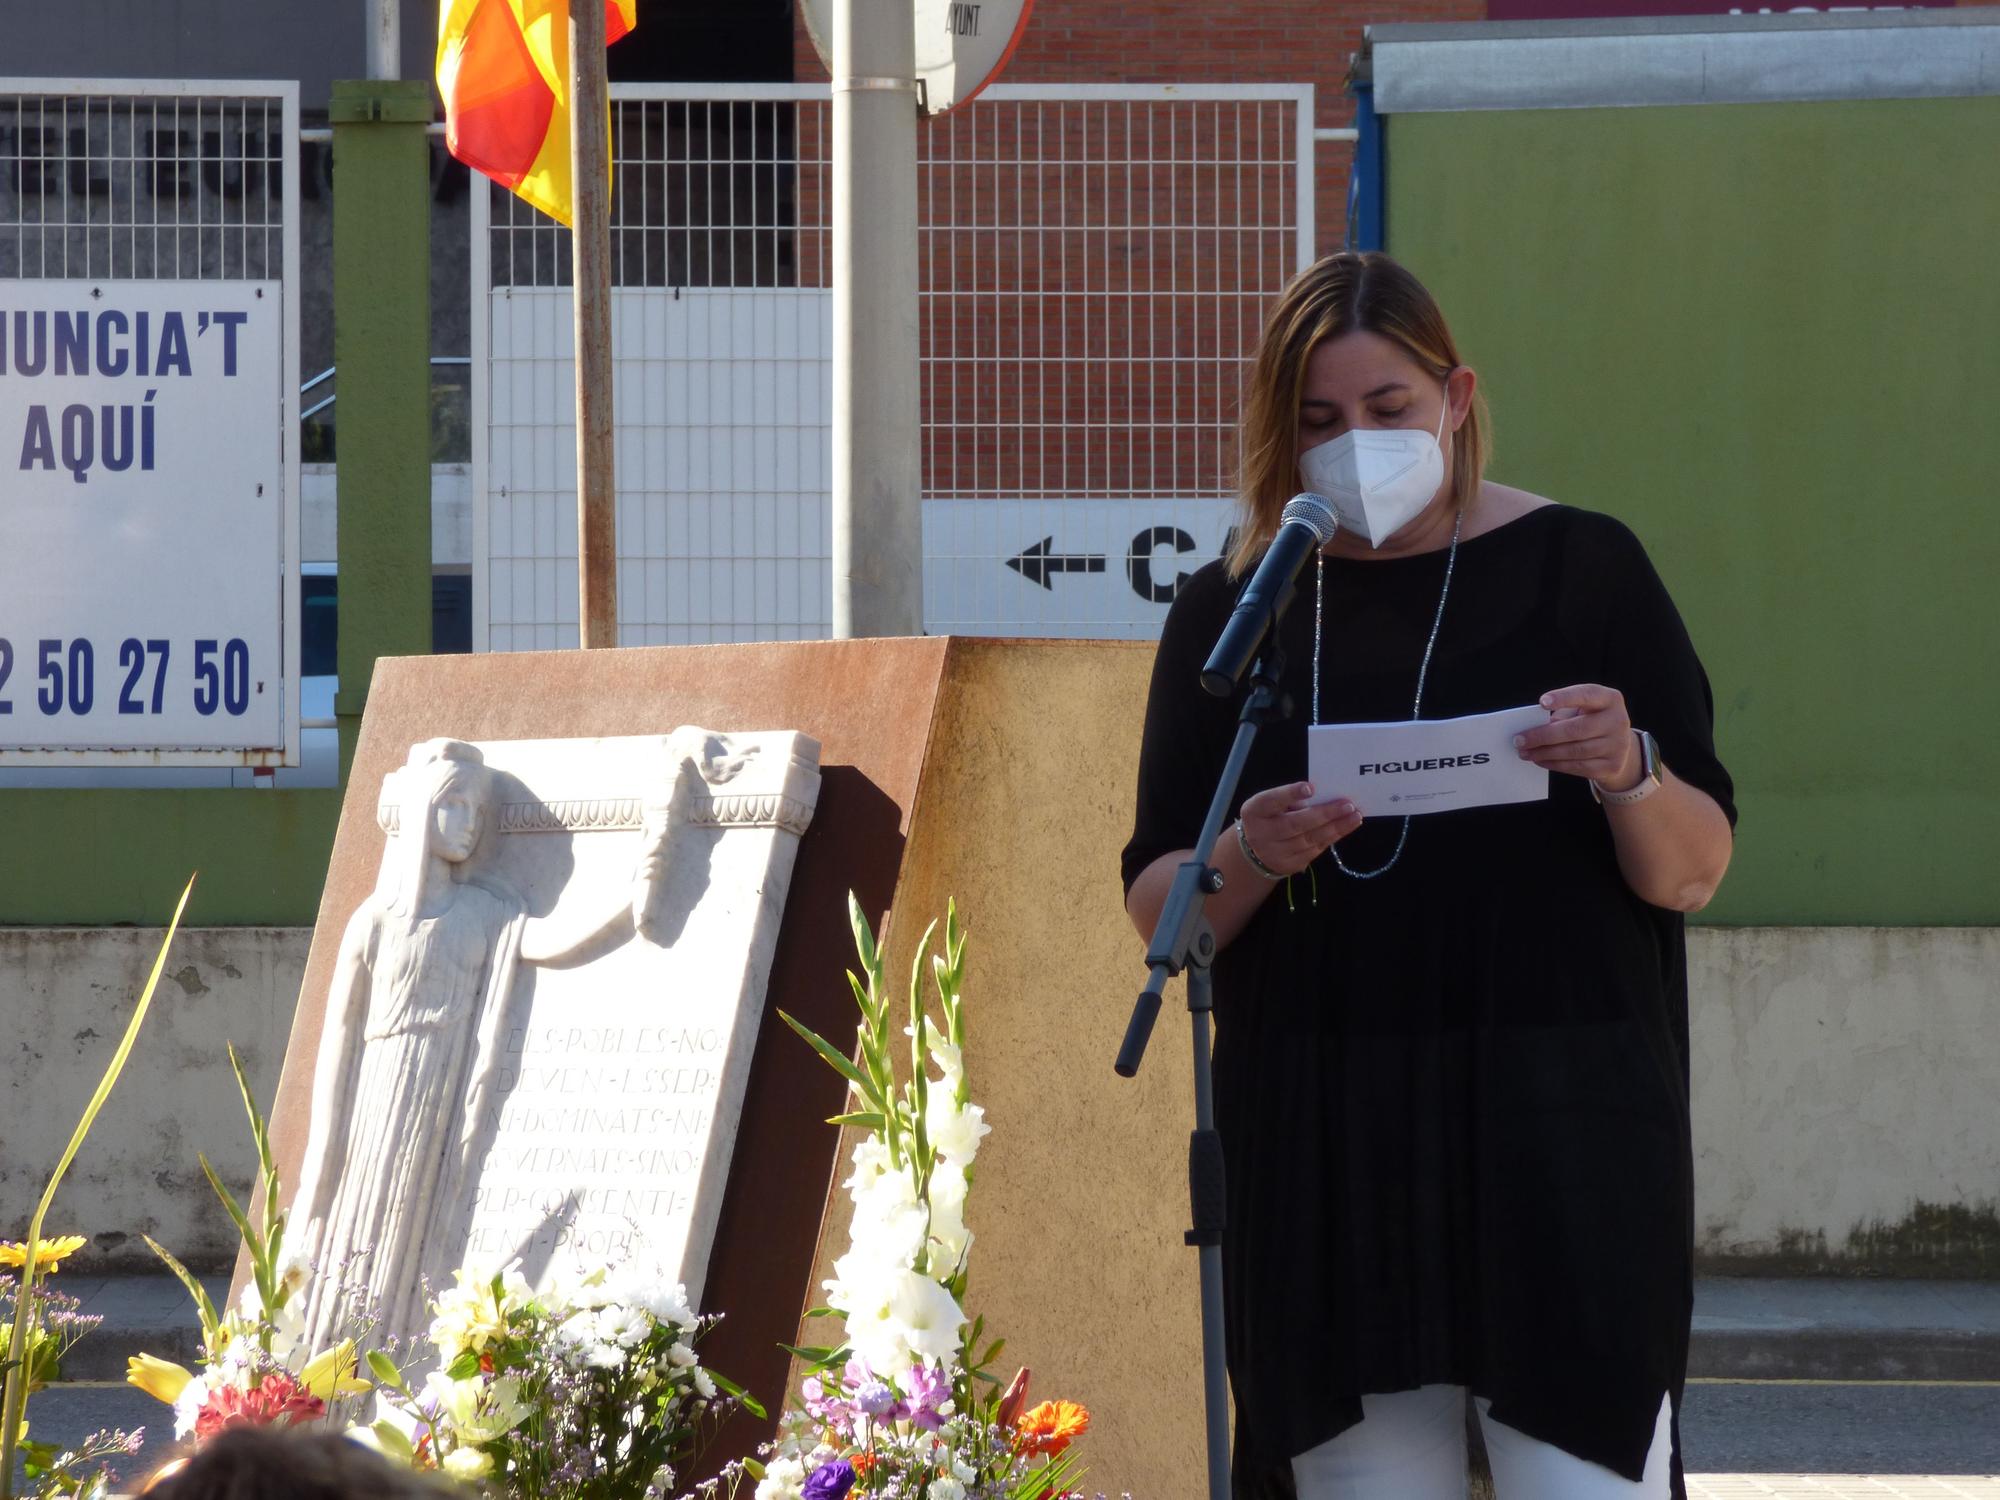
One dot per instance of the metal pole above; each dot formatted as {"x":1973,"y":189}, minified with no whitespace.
{"x":877,"y":520}
{"x":590,"y":239}
{"x":385,"y":38}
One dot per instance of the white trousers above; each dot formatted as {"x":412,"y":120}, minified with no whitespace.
{"x":1411,"y":1446}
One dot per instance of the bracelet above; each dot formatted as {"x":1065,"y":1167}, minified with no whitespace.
{"x":1250,"y":855}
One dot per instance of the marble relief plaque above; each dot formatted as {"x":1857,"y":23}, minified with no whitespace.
{"x":541,"y":1021}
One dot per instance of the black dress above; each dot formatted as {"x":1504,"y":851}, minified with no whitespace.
{"x":1454,"y":1100}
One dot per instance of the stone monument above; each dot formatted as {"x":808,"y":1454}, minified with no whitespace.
{"x":539,"y":1025}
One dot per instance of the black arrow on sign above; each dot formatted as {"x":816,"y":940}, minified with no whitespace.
{"x":1039,"y":563}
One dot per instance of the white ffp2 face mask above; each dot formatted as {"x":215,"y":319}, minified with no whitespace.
{"x":1378,"y":479}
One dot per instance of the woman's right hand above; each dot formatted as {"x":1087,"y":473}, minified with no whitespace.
{"x":1288,"y":835}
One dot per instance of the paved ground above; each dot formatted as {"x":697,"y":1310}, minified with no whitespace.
{"x":1767,"y":1428}
{"x":1839,"y":1487}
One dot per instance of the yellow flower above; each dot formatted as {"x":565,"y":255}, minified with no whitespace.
{"x":161,"y":1379}
{"x":333,"y":1373}
{"x":48,"y":1253}
{"x":467,"y":1463}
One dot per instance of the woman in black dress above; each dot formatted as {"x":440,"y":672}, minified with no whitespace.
{"x":1451,"y":1054}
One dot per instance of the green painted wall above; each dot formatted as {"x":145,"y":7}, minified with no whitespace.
{"x":104,"y":858}
{"x":1768,"y":337}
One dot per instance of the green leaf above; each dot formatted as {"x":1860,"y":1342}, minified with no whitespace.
{"x":754,"y":1469}
{"x":464,"y":1367}
{"x":866,"y":1120}
{"x":815,"y":1354}
{"x":384,"y":1369}
{"x":821,"y":1312}
{"x":393,"y":1442}
{"x":729,"y":1387}
{"x":841,"y":1065}
{"x":992,"y":1353}
{"x":210,"y":1319}
{"x":237,"y":1217}
{"x":917,"y":978}
{"x":864,"y":935}
{"x":258,"y":1132}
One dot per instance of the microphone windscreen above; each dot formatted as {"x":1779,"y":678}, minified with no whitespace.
{"x":1315,"y":510}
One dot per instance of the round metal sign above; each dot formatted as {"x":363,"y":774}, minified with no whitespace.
{"x":961,"y":44}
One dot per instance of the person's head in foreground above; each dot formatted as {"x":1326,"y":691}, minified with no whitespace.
{"x":276,"y":1463}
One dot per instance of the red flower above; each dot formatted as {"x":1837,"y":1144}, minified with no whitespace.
{"x":276,"y":1401}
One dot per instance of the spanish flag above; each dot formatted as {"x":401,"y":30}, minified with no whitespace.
{"x":503,"y":68}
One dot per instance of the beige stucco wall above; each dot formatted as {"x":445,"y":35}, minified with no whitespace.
{"x":67,"y":994}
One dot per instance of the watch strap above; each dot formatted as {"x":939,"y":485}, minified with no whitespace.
{"x":1650,"y":778}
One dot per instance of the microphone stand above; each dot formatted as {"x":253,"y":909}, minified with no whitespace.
{"x":1184,"y":941}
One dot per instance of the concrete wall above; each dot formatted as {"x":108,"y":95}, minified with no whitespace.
{"x":67,"y":994}
{"x":1846,"y":1118}
{"x":1846,"y":1115}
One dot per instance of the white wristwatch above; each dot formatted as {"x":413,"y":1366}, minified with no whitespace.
{"x":1652,"y":775}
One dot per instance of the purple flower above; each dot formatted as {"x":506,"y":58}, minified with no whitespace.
{"x":830,"y":1481}
{"x":928,"y":1390}
{"x":877,"y":1398}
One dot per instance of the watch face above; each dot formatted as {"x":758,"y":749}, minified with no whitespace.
{"x":1649,"y":756}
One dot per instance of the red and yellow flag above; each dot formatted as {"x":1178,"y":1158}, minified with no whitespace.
{"x":503,"y":68}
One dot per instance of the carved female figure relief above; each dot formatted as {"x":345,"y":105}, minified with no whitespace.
{"x":422,"y":975}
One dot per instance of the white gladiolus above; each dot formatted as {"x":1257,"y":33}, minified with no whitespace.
{"x":871,"y":1160}
{"x":950,"y":1060}
{"x":889,"y":1220}
{"x":928,"y":1315}
{"x":948,"y":1230}
{"x":863,"y":1290}
{"x":954,"y":1131}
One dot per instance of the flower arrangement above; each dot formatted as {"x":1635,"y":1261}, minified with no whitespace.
{"x":907,"y":1408}
{"x":58,"y":1323}
{"x":590,"y":1390}
{"x":257,"y":1372}
{"x":42,"y":1327}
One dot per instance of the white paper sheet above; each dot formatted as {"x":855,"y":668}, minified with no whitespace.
{"x":1426,"y":765}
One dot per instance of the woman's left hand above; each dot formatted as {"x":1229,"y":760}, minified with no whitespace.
{"x":1589,"y":734}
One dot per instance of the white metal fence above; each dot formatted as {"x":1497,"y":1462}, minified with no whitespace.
{"x":1094,"y":265}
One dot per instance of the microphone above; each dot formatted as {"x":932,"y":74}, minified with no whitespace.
{"x":1307,"y":525}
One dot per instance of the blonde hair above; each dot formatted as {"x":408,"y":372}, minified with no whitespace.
{"x":1341,"y":294}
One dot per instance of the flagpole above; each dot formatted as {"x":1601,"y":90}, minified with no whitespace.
{"x":590,"y":241}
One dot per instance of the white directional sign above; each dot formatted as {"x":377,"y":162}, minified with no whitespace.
{"x":143,"y":524}
{"x":961,"y":44}
{"x":1083,"y":567}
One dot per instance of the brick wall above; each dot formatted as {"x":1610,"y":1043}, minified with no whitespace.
{"x":1080,"y":348}
{"x":1094,"y":345}
{"x":1201,"y":41}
